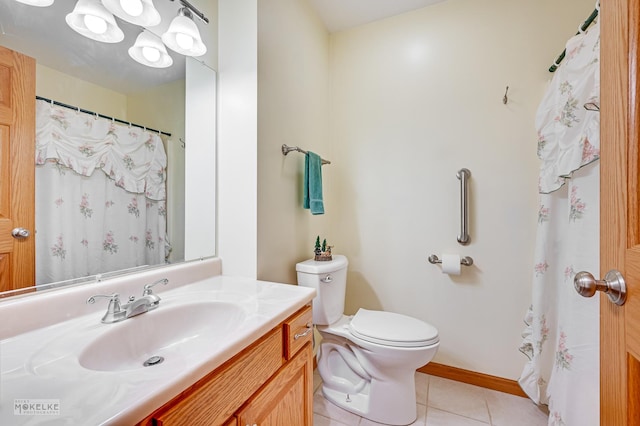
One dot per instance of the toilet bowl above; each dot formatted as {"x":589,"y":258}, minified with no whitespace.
{"x":367,"y":361}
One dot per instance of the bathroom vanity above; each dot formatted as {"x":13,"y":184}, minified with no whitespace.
{"x":217,"y":350}
{"x":270,"y":382}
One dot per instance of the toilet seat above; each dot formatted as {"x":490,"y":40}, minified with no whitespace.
{"x":391,"y":329}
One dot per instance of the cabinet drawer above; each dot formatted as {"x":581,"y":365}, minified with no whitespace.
{"x":216,"y":397}
{"x":298,"y":330}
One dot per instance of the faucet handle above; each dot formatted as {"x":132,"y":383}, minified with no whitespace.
{"x":113,"y":310}
{"x":154,"y":299}
{"x":147,"y":288}
{"x":114,"y":299}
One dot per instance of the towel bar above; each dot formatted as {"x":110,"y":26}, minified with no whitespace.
{"x":287,"y":149}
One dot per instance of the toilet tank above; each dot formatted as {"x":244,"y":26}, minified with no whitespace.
{"x":329,"y":278}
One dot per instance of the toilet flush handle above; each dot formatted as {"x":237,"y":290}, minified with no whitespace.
{"x":327,"y":279}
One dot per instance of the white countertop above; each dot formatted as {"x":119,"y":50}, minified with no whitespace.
{"x":42,"y":364}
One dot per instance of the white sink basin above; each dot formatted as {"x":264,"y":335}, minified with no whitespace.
{"x":169,"y":332}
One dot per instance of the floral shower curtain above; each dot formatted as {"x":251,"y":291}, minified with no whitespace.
{"x":100,"y":198}
{"x":561,"y":338}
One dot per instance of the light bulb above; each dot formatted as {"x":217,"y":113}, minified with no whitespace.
{"x":132,"y":7}
{"x":38,"y":3}
{"x":151,"y":54}
{"x":95,"y":24}
{"x":184,"y":41}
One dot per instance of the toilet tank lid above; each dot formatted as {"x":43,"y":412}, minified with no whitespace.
{"x":322,"y":267}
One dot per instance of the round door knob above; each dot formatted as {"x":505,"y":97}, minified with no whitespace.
{"x":20,"y":233}
{"x":613,"y":285}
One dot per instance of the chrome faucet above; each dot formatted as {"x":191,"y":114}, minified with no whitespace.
{"x":117,"y":312}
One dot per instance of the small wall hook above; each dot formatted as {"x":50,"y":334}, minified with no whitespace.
{"x":505,"y":99}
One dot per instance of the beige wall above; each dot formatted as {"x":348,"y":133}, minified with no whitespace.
{"x":70,"y":90}
{"x":411,"y":100}
{"x":293,"y":109}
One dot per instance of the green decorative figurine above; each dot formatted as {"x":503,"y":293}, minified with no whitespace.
{"x":322,"y":253}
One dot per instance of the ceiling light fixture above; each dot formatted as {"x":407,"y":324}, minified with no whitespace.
{"x":149,"y":50}
{"x":139,"y":12}
{"x":183,"y":36}
{"x":95,"y":19}
{"x":91,"y":19}
{"x":39,"y":3}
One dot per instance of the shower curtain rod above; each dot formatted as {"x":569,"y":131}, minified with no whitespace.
{"x":101,"y":115}
{"x":583,"y":28}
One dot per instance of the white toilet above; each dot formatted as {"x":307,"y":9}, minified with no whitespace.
{"x":367,"y":361}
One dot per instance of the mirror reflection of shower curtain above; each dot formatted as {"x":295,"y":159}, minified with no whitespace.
{"x":100,"y":195}
{"x":561,"y":338}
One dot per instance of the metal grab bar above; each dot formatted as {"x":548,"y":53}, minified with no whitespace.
{"x":463,"y":238}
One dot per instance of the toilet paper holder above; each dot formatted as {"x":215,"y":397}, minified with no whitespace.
{"x":466,"y":261}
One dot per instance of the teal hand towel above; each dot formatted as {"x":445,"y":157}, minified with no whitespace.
{"x":312,"y":187}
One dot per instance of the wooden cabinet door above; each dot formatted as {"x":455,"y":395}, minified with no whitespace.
{"x":287,"y":398}
{"x":17,"y":168}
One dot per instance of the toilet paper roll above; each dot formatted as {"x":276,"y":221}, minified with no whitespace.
{"x":451,"y":264}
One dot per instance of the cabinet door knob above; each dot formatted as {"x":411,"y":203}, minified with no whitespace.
{"x":613,"y":285}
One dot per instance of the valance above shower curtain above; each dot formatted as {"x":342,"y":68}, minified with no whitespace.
{"x":561,"y":338}
{"x":100,"y":195}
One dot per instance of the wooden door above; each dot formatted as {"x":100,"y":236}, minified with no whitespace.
{"x":620,"y":210}
{"x":17,"y":169}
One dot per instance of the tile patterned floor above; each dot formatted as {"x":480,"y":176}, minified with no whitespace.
{"x":442,"y":402}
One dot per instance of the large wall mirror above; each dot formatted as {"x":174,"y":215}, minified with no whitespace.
{"x":101,"y":77}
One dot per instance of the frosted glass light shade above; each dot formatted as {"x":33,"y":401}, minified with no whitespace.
{"x":149,"y":16}
{"x":183,"y":36}
{"x":87,"y":11}
{"x":39,"y":3}
{"x":147,"y":48}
